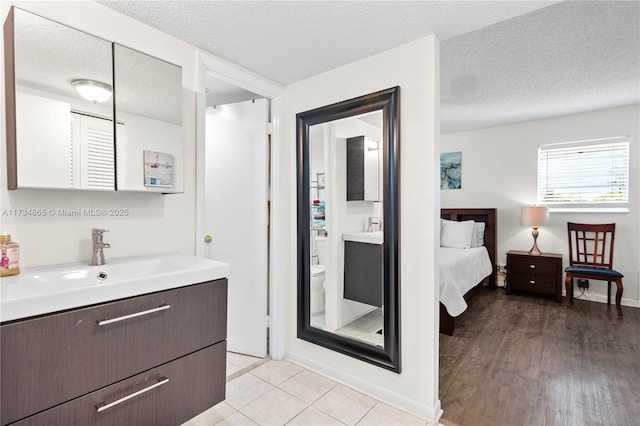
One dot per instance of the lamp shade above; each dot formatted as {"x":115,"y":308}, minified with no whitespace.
{"x":535,"y":215}
{"x":93,"y":91}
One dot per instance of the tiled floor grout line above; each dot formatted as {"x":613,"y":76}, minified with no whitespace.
{"x":314,"y":401}
{"x":246,"y":369}
{"x":270,"y":379}
{"x":259,"y":396}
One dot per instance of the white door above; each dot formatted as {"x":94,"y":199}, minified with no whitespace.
{"x":236,"y":215}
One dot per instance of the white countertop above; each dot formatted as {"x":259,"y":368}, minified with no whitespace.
{"x":42,"y":290}
{"x":376,"y":237}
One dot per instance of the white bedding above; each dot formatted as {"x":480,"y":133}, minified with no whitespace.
{"x":460,"y":271}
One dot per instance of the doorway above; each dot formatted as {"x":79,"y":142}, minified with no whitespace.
{"x":235,"y":220}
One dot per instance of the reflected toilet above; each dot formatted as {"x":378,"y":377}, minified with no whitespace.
{"x":318,"y":273}
{"x":317,"y":289}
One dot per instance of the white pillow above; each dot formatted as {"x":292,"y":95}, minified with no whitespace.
{"x":456,"y":234}
{"x":478,"y":234}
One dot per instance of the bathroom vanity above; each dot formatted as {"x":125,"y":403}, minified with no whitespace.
{"x":157,"y":358}
{"x":363,"y":267}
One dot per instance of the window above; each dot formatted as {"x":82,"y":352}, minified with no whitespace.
{"x":587,"y":175}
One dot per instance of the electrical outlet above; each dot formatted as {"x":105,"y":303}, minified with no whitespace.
{"x":582,"y":283}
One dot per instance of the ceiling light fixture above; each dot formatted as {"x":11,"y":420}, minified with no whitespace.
{"x":92,"y":90}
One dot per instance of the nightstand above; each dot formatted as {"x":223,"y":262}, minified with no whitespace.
{"x":538,"y":274}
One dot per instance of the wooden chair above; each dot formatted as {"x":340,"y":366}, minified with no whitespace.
{"x":591,"y":257}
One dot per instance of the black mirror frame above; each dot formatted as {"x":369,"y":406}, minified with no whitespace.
{"x":389,"y":102}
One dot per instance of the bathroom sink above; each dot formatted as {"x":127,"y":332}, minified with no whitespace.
{"x":37,"y":291}
{"x":376,"y":237}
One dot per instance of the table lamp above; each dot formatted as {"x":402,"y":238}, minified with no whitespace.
{"x":535,"y":216}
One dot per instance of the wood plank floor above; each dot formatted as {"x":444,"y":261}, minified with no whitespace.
{"x":525,"y":360}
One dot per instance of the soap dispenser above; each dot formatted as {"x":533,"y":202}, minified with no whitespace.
{"x":10,"y":256}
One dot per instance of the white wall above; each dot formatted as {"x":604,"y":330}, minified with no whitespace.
{"x":414,"y":67}
{"x":499,"y":169}
{"x":155,"y":223}
{"x":148,"y":134}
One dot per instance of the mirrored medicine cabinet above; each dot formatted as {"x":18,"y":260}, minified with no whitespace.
{"x":348,"y":227}
{"x":68,"y":93}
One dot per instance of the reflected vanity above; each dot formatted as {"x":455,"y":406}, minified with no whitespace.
{"x":60,"y":137}
{"x":348,"y":207}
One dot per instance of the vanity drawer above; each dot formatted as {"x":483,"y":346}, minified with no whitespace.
{"x":166,"y":395}
{"x":52,"y":359}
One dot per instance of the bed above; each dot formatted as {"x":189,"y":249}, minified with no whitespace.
{"x":464,"y":271}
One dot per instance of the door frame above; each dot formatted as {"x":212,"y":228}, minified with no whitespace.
{"x":238,"y":76}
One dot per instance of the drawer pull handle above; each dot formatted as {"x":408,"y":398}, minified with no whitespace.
{"x":532,"y":266}
{"x":532,"y":282}
{"x":104,"y":406}
{"x":137,"y":314}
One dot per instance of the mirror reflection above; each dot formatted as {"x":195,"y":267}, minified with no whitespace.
{"x":149,"y":108}
{"x":346,"y":238}
{"x":61,"y":132}
{"x":64,"y":106}
{"x":348,"y":223}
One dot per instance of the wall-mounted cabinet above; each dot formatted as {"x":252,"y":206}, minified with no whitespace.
{"x":58,"y":139}
{"x":364,"y":161}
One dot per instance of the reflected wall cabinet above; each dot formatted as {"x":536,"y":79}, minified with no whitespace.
{"x":364,"y":162}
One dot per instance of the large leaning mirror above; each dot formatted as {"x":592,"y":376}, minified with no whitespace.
{"x":59,"y":105}
{"x":347,"y":227}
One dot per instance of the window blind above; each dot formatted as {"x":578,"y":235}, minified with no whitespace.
{"x":100,"y":158}
{"x":586,"y":175}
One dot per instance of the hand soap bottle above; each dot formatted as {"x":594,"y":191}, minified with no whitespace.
{"x":9,"y":256}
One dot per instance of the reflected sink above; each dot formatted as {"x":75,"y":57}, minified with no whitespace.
{"x":376,"y":237}
{"x":37,"y":291}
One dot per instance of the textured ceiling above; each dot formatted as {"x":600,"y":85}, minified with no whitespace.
{"x":288,"y":41}
{"x":501,"y":61}
{"x":567,"y":58}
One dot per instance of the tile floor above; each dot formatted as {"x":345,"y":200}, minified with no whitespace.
{"x":238,"y":364}
{"x":283,"y":393}
{"x":364,"y":328}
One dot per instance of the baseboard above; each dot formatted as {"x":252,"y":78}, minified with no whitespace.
{"x":431,"y":414}
{"x":602,"y":298}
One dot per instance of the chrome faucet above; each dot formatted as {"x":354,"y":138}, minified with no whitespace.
{"x":97,"y":256}
{"x":373,"y":220}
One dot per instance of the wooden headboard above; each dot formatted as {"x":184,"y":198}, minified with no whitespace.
{"x":487,"y":216}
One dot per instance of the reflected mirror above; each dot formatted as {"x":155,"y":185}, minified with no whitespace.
{"x":65,"y":139}
{"x":149,"y":114}
{"x":348,"y":205}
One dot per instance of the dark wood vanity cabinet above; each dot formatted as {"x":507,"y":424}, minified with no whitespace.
{"x":82,"y":366}
{"x":363,"y":272}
